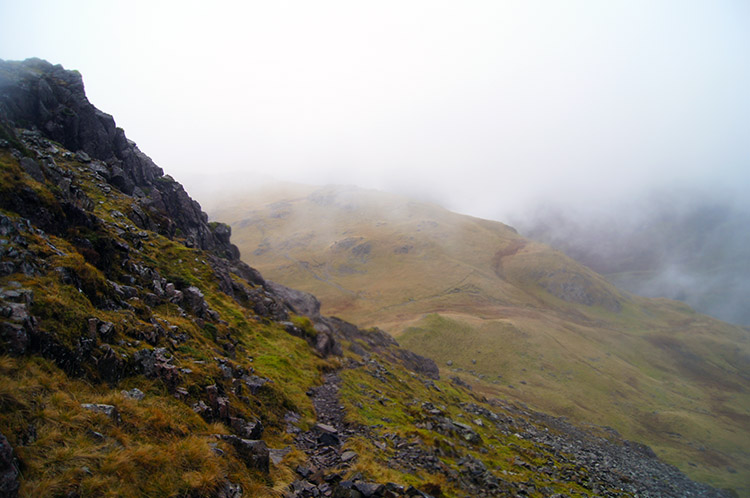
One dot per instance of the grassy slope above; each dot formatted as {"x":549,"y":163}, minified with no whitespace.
{"x":161,"y":447}
{"x":463,"y":289}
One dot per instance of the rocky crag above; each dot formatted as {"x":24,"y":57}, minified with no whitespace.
{"x":140,"y":357}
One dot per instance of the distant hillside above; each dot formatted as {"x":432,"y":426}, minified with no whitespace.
{"x":687,"y":247}
{"x":526,"y":320}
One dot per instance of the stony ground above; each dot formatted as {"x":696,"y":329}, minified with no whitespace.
{"x":607,"y":466}
{"x":323,"y":476}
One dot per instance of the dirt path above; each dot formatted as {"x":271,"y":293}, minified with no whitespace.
{"x":510,"y":250}
{"x":327,"y":462}
{"x":324,"y":441}
{"x":325,"y":399}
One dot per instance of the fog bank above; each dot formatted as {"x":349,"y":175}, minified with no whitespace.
{"x":688,"y":245}
{"x":483,"y":106}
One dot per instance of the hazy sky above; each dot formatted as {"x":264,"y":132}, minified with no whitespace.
{"x":480,"y":105}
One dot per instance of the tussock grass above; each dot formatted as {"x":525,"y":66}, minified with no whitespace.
{"x":161,"y":448}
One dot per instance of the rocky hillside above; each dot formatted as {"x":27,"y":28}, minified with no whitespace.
{"x":512,"y":317}
{"x":140,"y":357}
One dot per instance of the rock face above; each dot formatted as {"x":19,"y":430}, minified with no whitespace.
{"x":8,"y":470}
{"x":253,"y":452}
{"x":37,"y":95}
{"x":300,"y":302}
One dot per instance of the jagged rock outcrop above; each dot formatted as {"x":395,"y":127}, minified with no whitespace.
{"x":300,"y":302}
{"x":37,"y":95}
{"x":331,"y":328}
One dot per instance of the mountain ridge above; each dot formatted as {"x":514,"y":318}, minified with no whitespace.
{"x":140,"y":357}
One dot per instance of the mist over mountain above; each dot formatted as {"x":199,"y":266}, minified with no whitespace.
{"x":508,"y":315}
{"x":689,"y":245}
{"x":139,"y":356}
{"x":432,"y":350}
{"x":480,"y":106}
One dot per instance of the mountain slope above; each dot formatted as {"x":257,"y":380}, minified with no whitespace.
{"x":529,"y":322}
{"x":689,"y":247}
{"x":140,"y":357}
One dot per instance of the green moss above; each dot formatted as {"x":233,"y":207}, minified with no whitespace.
{"x":210,"y":331}
{"x":16,"y":184}
{"x":304,"y":324}
{"x":166,"y":179}
{"x":9,"y":135}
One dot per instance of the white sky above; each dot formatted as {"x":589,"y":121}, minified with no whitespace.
{"x":482,"y":106}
